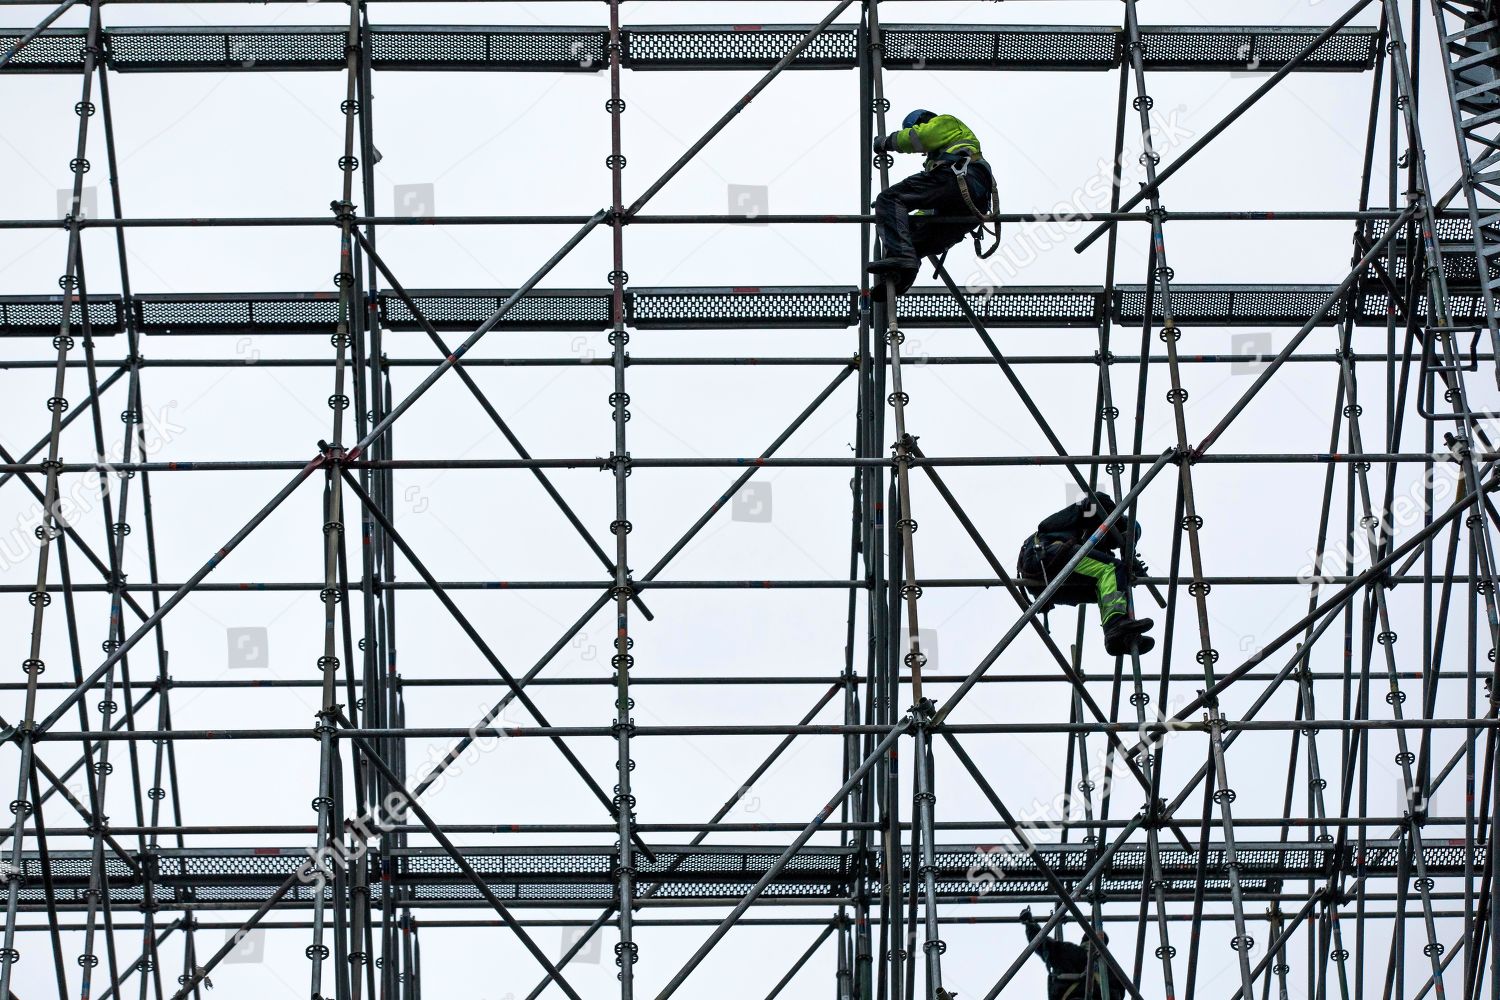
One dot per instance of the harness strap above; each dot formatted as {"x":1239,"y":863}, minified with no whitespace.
{"x":961,"y":174}
{"x":1039,"y":549}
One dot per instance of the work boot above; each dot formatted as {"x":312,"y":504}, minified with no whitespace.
{"x":1123,"y":634}
{"x":896,"y":273}
{"x":894,"y":267}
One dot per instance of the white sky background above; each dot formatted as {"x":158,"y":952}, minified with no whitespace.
{"x":268,"y":143}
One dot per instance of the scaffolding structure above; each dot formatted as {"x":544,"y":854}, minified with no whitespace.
{"x":1365,"y":903}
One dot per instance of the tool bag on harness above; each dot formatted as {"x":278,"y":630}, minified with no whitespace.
{"x":1039,"y":561}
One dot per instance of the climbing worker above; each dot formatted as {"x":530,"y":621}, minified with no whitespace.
{"x":1068,"y":964}
{"x":955,"y":181}
{"x":1097,"y":575}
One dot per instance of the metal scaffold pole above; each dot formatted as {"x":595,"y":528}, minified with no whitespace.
{"x":1366,"y":609}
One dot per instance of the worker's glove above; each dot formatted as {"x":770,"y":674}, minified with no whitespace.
{"x":1026,"y":917}
{"x":877,"y":145}
{"x":1138,"y":568}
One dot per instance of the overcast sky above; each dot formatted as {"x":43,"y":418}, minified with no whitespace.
{"x":268,"y":143}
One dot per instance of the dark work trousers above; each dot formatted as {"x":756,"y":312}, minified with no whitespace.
{"x":902,"y":235}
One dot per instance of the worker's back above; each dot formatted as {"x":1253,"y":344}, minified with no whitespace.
{"x":1068,"y":964}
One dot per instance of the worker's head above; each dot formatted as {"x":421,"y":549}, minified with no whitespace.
{"x":917,"y":117}
{"x":1103,"y":937}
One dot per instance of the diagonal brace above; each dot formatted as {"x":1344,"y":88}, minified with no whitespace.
{"x":1153,"y":188}
{"x":776,"y":868}
{"x":1045,"y":869}
{"x":458,"y":859}
{"x":492,"y":413}
{"x":484,"y":649}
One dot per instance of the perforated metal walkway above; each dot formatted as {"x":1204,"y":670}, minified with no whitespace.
{"x":770,"y":308}
{"x":567,"y":875}
{"x":695,"y":47}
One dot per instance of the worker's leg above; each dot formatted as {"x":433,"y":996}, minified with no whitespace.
{"x":931,"y":238}
{"x":1122,"y":633}
{"x":1112,"y":600}
{"x":928,"y":190}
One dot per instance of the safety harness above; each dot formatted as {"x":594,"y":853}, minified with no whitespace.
{"x":1039,"y":550}
{"x":1073,"y":980}
{"x":958,"y":160}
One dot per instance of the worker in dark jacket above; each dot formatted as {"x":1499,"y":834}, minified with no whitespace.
{"x":1068,"y":966}
{"x":955,"y":181}
{"x":1097,"y":576}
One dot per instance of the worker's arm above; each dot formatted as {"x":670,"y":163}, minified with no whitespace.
{"x":918,"y":139}
{"x":1033,"y":932}
{"x":921,"y":138}
{"x":898,"y":142}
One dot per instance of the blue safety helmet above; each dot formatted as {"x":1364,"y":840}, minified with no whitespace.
{"x":917,"y":117}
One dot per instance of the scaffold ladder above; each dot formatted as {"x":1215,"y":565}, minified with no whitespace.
{"x":1470,"y":30}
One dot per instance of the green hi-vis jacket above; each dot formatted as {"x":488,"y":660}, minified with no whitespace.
{"x":943,"y":134}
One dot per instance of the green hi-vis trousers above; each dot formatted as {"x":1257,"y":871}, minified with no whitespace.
{"x":1112,"y":600}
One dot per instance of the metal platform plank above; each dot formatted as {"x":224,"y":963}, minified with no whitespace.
{"x":831,"y":307}
{"x":555,"y":49}
{"x":1051,"y":306}
{"x":542,"y":309}
{"x":821,"y":307}
{"x":41,"y":315}
{"x":56,"y":50}
{"x":699,"y":47}
{"x":237,"y":313}
{"x":1455,"y":235}
{"x":1262,"y":48}
{"x":1230,"y":305}
{"x":225,"y":49}
{"x":1001,"y":47}
{"x":735,"y":46}
{"x":559,"y":875}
